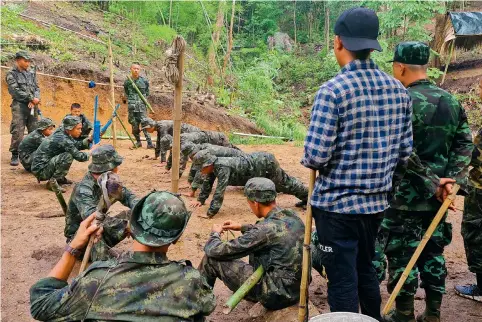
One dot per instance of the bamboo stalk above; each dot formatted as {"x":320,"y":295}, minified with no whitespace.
{"x":140,"y":94}
{"x":234,"y":300}
{"x":306,"y":268}
{"x":124,"y":127}
{"x":86,"y":258}
{"x":112,"y":94}
{"x":60,"y":197}
{"x":438,"y":217}
{"x":447,"y":63}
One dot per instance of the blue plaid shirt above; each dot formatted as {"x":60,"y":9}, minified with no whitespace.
{"x":360,"y":131}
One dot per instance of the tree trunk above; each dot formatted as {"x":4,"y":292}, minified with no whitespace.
{"x":294,"y":19}
{"x":327,"y":27}
{"x":230,"y":39}
{"x":214,"y":43}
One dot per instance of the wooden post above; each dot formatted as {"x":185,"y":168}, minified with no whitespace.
{"x":306,"y":268}
{"x":112,"y":95}
{"x":447,"y":63}
{"x":176,"y":115}
{"x":438,"y":217}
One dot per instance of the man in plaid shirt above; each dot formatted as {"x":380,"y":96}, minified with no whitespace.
{"x":359,"y":141}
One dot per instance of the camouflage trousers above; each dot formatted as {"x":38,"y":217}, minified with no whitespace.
{"x":57,"y":168}
{"x":135,"y":119}
{"x":182,"y":163}
{"x":26,"y":161}
{"x":402,"y":232}
{"x":289,"y":185}
{"x":21,"y":118}
{"x":472,"y":229}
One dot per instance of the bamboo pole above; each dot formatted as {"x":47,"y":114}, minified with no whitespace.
{"x":176,"y":144}
{"x":447,"y":63}
{"x":140,"y":94}
{"x":60,"y":197}
{"x":303,"y":305}
{"x":123,"y":126}
{"x":112,"y":94}
{"x":438,"y":217}
{"x":234,"y":300}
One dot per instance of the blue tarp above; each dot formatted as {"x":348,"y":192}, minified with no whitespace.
{"x":466,"y":23}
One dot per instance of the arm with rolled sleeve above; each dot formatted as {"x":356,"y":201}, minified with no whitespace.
{"x":322,"y":133}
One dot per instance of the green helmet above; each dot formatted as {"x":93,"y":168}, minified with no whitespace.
{"x":104,"y":158}
{"x":412,"y":53}
{"x":45,"y":123}
{"x":70,"y":121}
{"x":147,"y":122}
{"x":158,"y":219}
{"x":166,"y":142}
{"x":203,"y":159}
{"x":260,"y":190}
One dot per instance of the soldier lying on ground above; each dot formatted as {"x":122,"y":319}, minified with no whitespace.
{"x":32,"y":141}
{"x":86,"y":196}
{"x":276,"y":243}
{"x":163,"y":128}
{"x":236,"y":171}
{"x":55,"y":155}
{"x":75,"y":110}
{"x":141,"y":285}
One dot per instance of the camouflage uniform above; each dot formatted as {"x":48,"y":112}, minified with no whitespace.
{"x":86,"y":196}
{"x":163,"y":128}
{"x":87,"y":127}
{"x":442,"y":149}
{"x":31,"y":142}
{"x":55,"y":154}
{"x":236,"y":171}
{"x":23,"y":88}
{"x":139,"y":286}
{"x":136,"y":107}
{"x":275,"y":243}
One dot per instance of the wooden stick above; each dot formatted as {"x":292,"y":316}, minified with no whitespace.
{"x":123,"y":126}
{"x":262,"y":136}
{"x":112,"y":94}
{"x":447,"y":63}
{"x":86,"y":258}
{"x":303,"y":305}
{"x":234,"y":300}
{"x":438,"y":217}
{"x":140,"y":94}
{"x":176,"y":116}
{"x":60,"y":197}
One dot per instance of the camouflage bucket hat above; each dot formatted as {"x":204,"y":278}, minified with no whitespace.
{"x":203,"y":159}
{"x":260,"y":190}
{"x":23,"y":54}
{"x":70,"y":121}
{"x":104,"y":158}
{"x":45,"y":123}
{"x":411,"y":52}
{"x":147,"y":123}
{"x":166,"y":143}
{"x":189,"y":148}
{"x":158,"y":219}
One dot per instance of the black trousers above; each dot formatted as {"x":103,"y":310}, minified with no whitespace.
{"x":347,"y":244}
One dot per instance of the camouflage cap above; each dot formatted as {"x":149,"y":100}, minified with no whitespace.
{"x":45,"y":123}
{"x":158,"y":219}
{"x":23,"y":54}
{"x":189,"y":148}
{"x":260,"y":190}
{"x":166,"y":142}
{"x":70,"y":121}
{"x":412,"y":52}
{"x":147,"y":122}
{"x":203,"y":159}
{"x":104,"y":158}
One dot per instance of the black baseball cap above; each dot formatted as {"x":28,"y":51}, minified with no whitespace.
{"x":358,"y":29}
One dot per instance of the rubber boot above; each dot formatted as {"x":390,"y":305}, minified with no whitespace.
{"x":148,"y":140}
{"x":404,"y":310}
{"x":14,"y":161}
{"x":433,"y":302}
{"x":138,"y":141}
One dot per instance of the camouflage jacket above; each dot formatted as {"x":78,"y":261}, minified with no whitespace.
{"x":59,"y":142}
{"x":165,"y":127}
{"x":22,"y":86}
{"x":235,"y":171}
{"x":134,"y":101}
{"x":28,"y":146}
{"x":442,"y":142}
{"x":141,"y":286}
{"x":276,"y":243}
{"x":86,"y":127}
{"x":83,"y":202}
{"x":475,"y":175}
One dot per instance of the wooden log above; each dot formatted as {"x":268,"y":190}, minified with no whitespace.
{"x":234,"y":300}
{"x":438,"y":217}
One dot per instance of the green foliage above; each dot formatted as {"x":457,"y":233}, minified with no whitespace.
{"x":156,"y":32}
{"x":244,"y":140}
{"x":434,"y":73}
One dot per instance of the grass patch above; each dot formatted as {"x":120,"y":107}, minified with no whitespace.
{"x":246,"y":140}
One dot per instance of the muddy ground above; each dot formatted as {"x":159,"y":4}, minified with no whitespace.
{"x":31,"y":245}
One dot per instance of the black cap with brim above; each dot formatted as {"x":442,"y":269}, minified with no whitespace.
{"x":356,"y":44}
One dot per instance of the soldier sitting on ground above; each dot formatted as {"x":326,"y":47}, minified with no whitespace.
{"x":55,"y":155}
{"x":141,"y":285}
{"x":275,"y":243}
{"x":87,"y":127}
{"x":236,"y":171}
{"x":163,"y":128}
{"x":86,"y":196}
{"x":32,"y":141}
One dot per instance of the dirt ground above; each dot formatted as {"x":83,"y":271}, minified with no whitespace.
{"x":31,"y":245}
